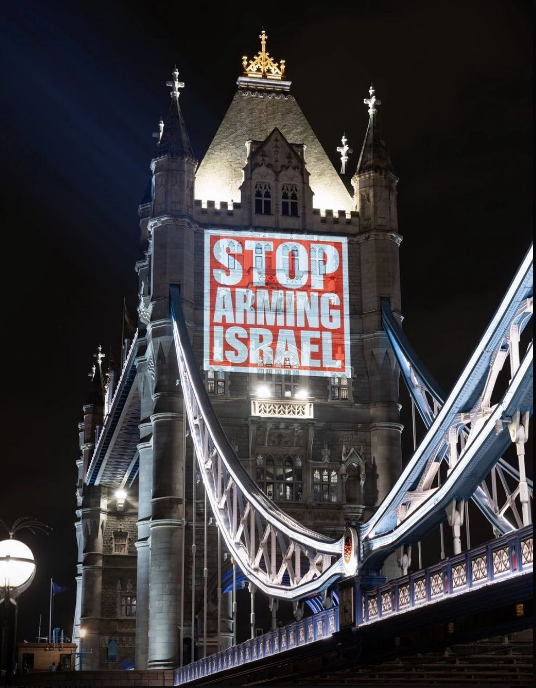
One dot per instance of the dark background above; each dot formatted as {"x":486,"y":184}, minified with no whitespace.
{"x":82,"y":89}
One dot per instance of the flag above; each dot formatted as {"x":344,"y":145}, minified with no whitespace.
{"x":56,"y":588}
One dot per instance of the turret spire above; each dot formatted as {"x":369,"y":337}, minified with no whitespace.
{"x":344,"y":150}
{"x":96,"y":393}
{"x":374,"y":156}
{"x":173,"y":139}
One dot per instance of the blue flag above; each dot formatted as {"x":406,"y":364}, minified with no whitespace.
{"x":56,"y":588}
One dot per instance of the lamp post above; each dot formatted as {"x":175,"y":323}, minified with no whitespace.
{"x":17,"y":570}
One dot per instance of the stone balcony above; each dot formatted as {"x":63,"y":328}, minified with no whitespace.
{"x":282,"y":408}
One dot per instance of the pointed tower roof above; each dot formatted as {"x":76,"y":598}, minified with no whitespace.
{"x":374,"y":156}
{"x":96,"y":392}
{"x":173,"y":139}
{"x":262,"y":103}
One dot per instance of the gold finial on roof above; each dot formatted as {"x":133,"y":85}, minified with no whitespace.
{"x":263,"y":66}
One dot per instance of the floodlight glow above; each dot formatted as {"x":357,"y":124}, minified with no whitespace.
{"x":302,"y":394}
{"x":263,"y":391}
{"x":120,"y":496}
{"x":17,"y":564}
{"x":82,"y":633}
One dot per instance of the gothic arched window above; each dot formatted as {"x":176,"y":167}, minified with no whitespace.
{"x":325,"y":485}
{"x":289,"y":200}
{"x":263,"y":198}
{"x":281,"y":477}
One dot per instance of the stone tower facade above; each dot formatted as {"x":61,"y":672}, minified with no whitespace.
{"x":326,"y":451}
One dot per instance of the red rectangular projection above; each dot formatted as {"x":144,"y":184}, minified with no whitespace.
{"x":276,"y":300}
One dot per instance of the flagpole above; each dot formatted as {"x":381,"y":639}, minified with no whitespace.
{"x":50,"y":615}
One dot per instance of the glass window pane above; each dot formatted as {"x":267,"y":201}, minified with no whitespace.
{"x":334,"y":493}
{"x":269,"y":469}
{"x":260,"y":473}
{"x":316,"y":475}
{"x":289,"y":474}
{"x":325,"y":493}
{"x":299,"y":474}
{"x":270,"y":490}
{"x":279,"y":473}
{"x":288,"y":493}
{"x":316,"y":492}
{"x":325,"y":477}
{"x":279,"y":491}
{"x":333,"y":477}
{"x":298,"y":492}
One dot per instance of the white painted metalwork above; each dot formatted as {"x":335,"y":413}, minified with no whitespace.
{"x":263,"y":540}
{"x":460,"y":432}
{"x":466,"y":431}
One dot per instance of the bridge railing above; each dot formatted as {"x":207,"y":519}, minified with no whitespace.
{"x":507,"y":556}
{"x":297,"y":634}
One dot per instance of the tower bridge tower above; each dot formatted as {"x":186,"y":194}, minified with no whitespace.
{"x":281,"y":270}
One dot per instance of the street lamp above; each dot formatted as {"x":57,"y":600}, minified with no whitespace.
{"x":17,"y":570}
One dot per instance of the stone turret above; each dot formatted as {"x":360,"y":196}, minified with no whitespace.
{"x":91,"y":512}
{"x":375,"y":195}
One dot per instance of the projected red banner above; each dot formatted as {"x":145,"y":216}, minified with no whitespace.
{"x":276,"y":300}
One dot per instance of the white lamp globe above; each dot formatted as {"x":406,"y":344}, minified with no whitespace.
{"x":17,"y":565}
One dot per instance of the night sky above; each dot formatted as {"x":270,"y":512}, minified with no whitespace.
{"x":82,"y":90}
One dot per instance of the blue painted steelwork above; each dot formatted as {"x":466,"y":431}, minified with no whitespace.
{"x":506,"y":557}
{"x":382,"y":534}
{"x":124,"y":386}
{"x":297,"y":634}
{"x":418,"y":381}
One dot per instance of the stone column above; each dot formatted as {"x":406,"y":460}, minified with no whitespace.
{"x":166,"y":531}
{"x":145,"y":477}
{"x":93,"y":512}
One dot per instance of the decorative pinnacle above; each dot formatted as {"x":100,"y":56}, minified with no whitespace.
{"x":344,"y":150}
{"x":175,"y":84}
{"x":372,"y":101}
{"x":263,"y":65}
{"x":99,"y":355}
{"x":158,"y":134}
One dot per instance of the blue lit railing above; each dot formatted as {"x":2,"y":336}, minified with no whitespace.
{"x":508,"y":556}
{"x":505,"y":557}
{"x":297,"y":634}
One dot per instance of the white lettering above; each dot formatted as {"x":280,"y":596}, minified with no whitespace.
{"x":292,"y":265}
{"x":321,"y":267}
{"x":308,"y":348}
{"x":259,"y":249}
{"x":223,"y":306}
{"x":260,"y":340}
{"x":330,"y":317}
{"x":224,"y":252}
{"x":306,"y":304}
{"x":232,"y":337}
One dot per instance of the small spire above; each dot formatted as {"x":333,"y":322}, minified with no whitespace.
{"x":158,"y":134}
{"x":372,"y":101}
{"x":344,"y":150}
{"x":175,"y":84}
{"x":172,"y":137}
{"x":263,"y":66}
{"x":96,"y":394}
{"x":374,"y":156}
{"x":99,"y":355}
